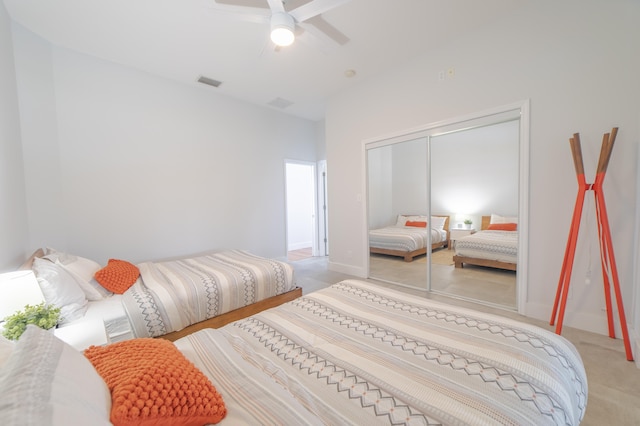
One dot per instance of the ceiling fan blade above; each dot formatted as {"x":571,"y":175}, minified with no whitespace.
{"x":314,"y":8}
{"x":276,"y":6}
{"x":329,"y":30}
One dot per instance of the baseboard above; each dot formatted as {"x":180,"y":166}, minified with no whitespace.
{"x":588,"y":322}
{"x":298,"y":246}
{"x":347,"y":269}
{"x":635,"y":337}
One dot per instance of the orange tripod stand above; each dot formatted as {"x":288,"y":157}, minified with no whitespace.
{"x":607,"y":258}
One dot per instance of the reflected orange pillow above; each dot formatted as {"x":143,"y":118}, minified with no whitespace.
{"x":117,"y":276}
{"x":416,"y":224}
{"x":153,"y":384}
{"x":503,"y":227}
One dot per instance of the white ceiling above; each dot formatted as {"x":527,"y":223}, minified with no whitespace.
{"x":185,"y":39}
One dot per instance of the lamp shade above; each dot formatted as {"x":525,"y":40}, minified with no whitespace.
{"x":282,"y":26}
{"x":18,"y":288}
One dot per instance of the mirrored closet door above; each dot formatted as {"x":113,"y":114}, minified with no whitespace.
{"x":464,"y":170}
{"x":397,"y":186}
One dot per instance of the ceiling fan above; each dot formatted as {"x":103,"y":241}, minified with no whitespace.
{"x":287,"y":18}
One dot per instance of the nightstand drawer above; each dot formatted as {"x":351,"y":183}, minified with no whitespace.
{"x":83,"y":334}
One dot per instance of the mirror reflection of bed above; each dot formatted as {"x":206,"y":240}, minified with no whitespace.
{"x":481,"y":265}
{"x":479,"y":178}
{"x":463,"y":172}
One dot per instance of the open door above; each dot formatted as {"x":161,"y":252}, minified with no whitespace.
{"x":302,"y":238}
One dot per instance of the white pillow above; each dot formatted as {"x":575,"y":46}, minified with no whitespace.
{"x":82,"y":269}
{"x":437,"y":222}
{"x":402,"y":220}
{"x":60,"y":289}
{"x":47,"y":382}
{"x":503,"y":219}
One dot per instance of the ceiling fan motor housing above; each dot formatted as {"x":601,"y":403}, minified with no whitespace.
{"x":282,"y":26}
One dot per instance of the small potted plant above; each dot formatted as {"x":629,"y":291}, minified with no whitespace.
{"x":44,"y":316}
{"x":467,"y":223}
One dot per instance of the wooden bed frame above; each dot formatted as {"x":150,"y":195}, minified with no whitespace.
{"x":459,"y":261}
{"x":235,"y":315}
{"x":217,"y":321}
{"x":410,"y":255}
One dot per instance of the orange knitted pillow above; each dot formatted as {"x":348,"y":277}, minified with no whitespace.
{"x":153,"y":383}
{"x":416,"y":223}
{"x":503,"y":227}
{"x":117,"y":276}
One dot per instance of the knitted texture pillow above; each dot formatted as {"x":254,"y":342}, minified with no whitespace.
{"x":118,"y":275}
{"x":503,"y":227}
{"x":153,"y":383}
{"x":416,"y":223}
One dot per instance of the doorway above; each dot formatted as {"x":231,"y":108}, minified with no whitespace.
{"x":300,"y":196}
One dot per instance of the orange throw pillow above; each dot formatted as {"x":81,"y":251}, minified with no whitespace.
{"x":117,"y":276}
{"x":503,"y":227}
{"x":417,"y":224}
{"x":153,"y":383}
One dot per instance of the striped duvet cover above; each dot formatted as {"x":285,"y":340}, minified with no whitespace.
{"x":490,"y":245}
{"x":171,"y":295}
{"x":359,"y":354}
{"x":404,"y":238}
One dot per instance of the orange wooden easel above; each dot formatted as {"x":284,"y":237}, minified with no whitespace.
{"x":607,"y":257}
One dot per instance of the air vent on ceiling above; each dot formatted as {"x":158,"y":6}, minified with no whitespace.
{"x":280,"y":103}
{"x":209,"y":81}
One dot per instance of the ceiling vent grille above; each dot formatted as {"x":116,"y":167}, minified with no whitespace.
{"x":209,"y":81}
{"x":280,"y":103}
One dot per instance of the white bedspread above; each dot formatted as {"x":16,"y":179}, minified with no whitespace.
{"x":359,"y":354}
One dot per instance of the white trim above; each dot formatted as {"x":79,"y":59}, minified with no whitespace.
{"x":634,"y":315}
{"x":347,"y":269}
{"x":517,"y":110}
{"x":322,"y":213}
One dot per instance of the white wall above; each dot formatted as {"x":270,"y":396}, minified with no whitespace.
{"x":409,"y":177}
{"x":13,"y":208}
{"x":123,"y":164}
{"x":475,"y":172}
{"x":578,"y":63}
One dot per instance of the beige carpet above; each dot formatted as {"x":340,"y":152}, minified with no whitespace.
{"x":442,"y":257}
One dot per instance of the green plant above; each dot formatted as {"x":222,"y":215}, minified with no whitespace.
{"x":468,"y":222}
{"x":44,"y":316}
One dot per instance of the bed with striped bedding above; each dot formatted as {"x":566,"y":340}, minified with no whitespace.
{"x":409,"y":241}
{"x":357,"y":353}
{"x":170,"y":296}
{"x":498,"y":249}
{"x":404,"y":238}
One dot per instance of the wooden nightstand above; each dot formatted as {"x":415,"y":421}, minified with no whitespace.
{"x":457,"y":233}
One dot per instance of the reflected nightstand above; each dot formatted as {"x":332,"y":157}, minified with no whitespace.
{"x":457,"y":233}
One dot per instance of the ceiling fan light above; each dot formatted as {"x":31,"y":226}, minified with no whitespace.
{"x":282,"y":26}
